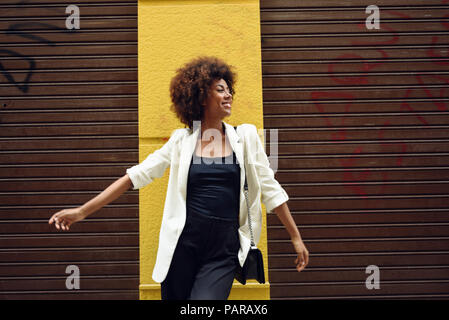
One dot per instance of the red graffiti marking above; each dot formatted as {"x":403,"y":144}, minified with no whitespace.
{"x":439,"y":104}
{"x":350,"y":176}
{"x":444,"y":23}
{"x":432,"y":54}
{"x":405,"y":106}
{"x":365,"y":67}
{"x":317,"y":96}
{"x":387,"y":147}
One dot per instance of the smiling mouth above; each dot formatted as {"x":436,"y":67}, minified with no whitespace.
{"x":227,"y":105}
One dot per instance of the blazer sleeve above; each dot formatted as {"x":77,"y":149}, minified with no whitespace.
{"x":273,"y":195}
{"x":154,"y":165}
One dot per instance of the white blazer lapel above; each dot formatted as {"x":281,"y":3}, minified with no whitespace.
{"x":236,"y":143}
{"x":187,"y":148}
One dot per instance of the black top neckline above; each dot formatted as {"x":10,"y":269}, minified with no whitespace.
{"x":222,"y":157}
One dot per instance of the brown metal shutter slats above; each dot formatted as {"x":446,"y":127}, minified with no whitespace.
{"x":68,"y":129}
{"x":363,"y":146}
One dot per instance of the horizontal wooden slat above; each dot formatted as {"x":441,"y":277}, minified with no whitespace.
{"x":86,"y":282}
{"x":266,"y":4}
{"x":45,"y":212}
{"x":363,"y":260}
{"x":357,"y":161}
{"x":25,"y":3}
{"x":359,"y":275}
{"x":90,"y":225}
{"x":338,"y":105}
{"x":13,"y":64}
{"x":49,"y":161}
{"x":67,"y":240}
{"x":382,"y":120}
{"x":344,"y":53}
{"x":330,"y":16}
{"x":64,"y":36}
{"x":397,"y":147}
{"x":376,"y":189}
{"x":71,"y":171}
{"x":368,"y":92}
{"x":92,"y":18}
{"x":340,"y":69}
{"x":357,"y":38}
{"x":341,"y":29}
{"x":56,"y":185}
{"x":70,"y":144}
{"x":363,"y":231}
{"x":71,"y":295}
{"x":361,"y":201}
{"x":65,"y":117}
{"x":58,"y":10}
{"x":70,"y":51}
{"x":63,"y":103}
{"x":355,"y":174}
{"x":86,"y":269}
{"x":358,"y":289}
{"x":366,"y":246}
{"x":363,"y":216}
{"x":71,"y":256}
{"x":362,"y":80}
{"x":81,"y":75}
{"x":69,"y":130}
{"x":360,"y":134}
{"x":81,"y":89}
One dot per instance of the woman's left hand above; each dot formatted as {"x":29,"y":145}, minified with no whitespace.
{"x":303,"y":254}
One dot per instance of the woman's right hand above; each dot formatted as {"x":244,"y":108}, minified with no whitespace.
{"x":65,"y":218}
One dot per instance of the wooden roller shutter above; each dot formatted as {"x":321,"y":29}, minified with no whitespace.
{"x":363,"y":145}
{"x":68,"y":129}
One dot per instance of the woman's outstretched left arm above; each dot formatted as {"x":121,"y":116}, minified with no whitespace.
{"x":283,"y":212}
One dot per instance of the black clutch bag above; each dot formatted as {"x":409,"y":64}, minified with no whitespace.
{"x":253,"y":266}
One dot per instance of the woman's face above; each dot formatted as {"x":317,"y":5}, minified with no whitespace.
{"x":219,"y":100}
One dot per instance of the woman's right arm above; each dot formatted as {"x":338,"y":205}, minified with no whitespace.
{"x":65,"y":218}
{"x":137,"y":176}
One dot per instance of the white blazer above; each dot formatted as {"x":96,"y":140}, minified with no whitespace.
{"x":177,"y":153}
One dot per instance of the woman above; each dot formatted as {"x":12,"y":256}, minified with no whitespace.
{"x":204,"y":234}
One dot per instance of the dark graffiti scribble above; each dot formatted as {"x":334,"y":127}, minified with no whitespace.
{"x":17,"y":30}
{"x":24,"y":86}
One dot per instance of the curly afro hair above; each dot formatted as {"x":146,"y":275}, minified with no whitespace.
{"x":189,"y":87}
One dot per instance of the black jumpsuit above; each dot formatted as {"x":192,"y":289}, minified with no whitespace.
{"x":205,"y":259}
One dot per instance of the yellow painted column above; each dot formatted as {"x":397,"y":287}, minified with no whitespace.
{"x":170,"y":33}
